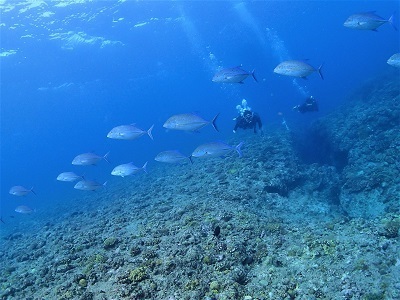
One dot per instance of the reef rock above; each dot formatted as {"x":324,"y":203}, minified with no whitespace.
{"x":362,"y":140}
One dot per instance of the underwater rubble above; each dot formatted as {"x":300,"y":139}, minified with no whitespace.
{"x":268,"y":225}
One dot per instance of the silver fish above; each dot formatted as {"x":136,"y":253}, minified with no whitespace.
{"x":127,"y":169}
{"x":89,"y":185}
{"x":296,"y":68}
{"x":189,"y":122}
{"x":367,"y":21}
{"x":394,"y":60}
{"x":23,"y":209}
{"x":21,"y":191}
{"x":233,"y":75}
{"x":172,"y":157}
{"x":89,"y":158}
{"x":216,"y":149}
{"x":68,"y":177}
{"x":128,"y":132}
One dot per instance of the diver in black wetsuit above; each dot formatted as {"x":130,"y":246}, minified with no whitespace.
{"x":308,"y":106}
{"x":248,"y":120}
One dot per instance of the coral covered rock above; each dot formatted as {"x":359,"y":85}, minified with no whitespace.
{"x":362,"y":139}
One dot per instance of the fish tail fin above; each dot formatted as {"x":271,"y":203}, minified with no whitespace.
{"x":320,"y":71}
{"x":254,"y":75}
{"x":149,"y":131}
{"x":190,"y":159}
{"x":213,"y":122}
{"x":144,"y":167}
{"x":105,"y":157}
{"x":392,"y":21}
{"x":238,"y":150}
{"x":33,"y":192}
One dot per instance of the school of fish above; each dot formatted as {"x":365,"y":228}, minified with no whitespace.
{"x":193,"y":123}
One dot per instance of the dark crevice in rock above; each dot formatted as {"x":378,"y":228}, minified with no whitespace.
{"x":315,"y":147}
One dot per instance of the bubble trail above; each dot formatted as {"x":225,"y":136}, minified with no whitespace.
{"x":269,"y":40}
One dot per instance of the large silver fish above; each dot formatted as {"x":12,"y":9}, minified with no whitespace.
{"x":297,"y":68}
{"x":233,"y":75}
{"x":394,"y":60}
{"x":89,"y":185}
{"x":19,"y":190}
{"x":86,"y":159}
{"x":172,"y":157}
{"x":367,"y":21}
{"x":216,"y":149}
{"x":128,"y":132}
{"x":188,"y":122}
{"x":68,"y":177}
{"x":23,"y":209}
{"x":127,"y":169}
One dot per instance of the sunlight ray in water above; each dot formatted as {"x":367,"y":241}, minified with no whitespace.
{"x":199,"y":48}
{"x":269,"y":40}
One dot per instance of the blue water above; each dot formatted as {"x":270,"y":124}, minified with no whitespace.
{"x":71,"y":73}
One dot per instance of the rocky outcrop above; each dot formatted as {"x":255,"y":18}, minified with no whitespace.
{"x":362,"y":139}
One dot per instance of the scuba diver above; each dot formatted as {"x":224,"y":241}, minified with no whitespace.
{"x":309,"y":105}
{"x":246,"y":118}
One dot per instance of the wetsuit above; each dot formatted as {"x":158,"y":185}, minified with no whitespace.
{"x":309,"y":105}
{"x":241,"y":122}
